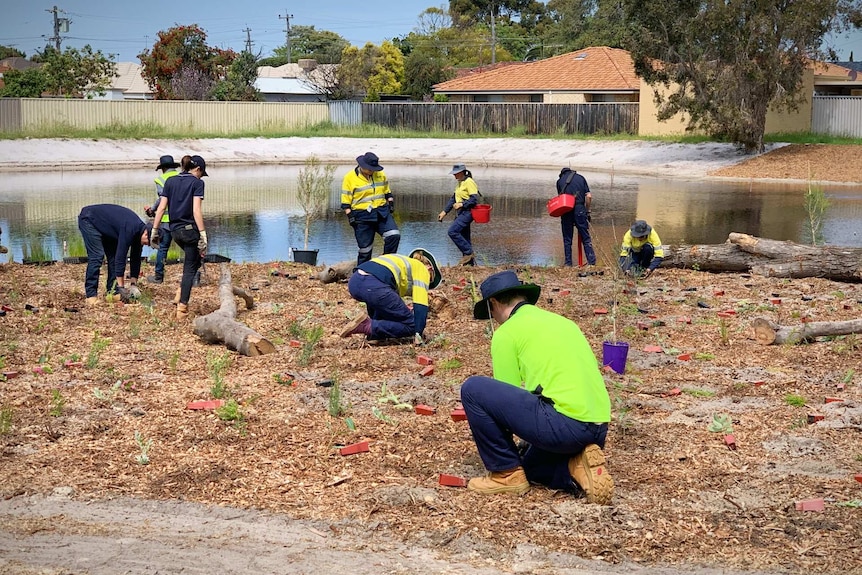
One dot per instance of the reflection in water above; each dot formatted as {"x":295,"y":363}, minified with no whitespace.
{"x":252,"y":213}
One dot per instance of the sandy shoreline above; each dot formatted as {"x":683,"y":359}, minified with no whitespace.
{"x":625,"y":157}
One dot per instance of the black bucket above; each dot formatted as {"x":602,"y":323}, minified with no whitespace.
{"x":305,"y":256}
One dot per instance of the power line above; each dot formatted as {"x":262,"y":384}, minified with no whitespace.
{"x":60,"y":25}
{"x":286,"y":18}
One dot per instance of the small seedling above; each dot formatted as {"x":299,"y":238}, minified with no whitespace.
{"x":144,"y":445}
{"x":387,"y":396}
{"x":453,"y":363}
{"x":336,"y":408}
{"x":217,"y":366}
{"x":698,"y":392}
{"x":721,"y":424}
{"x":96,"y":348}
{"x":58,"y":402}
{"x":6,"y":414}
{"x":382,"y":416}
{"x":794,"y":400}
{"x":230,"y":411}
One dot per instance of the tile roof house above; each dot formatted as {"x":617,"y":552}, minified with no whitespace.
{"x":597,"y":74}
{"x":128,"y":84}
{"x":298,"y":82}
{"x":15,"y":63}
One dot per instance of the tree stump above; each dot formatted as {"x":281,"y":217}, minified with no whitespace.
{"x":337,"y":272}
{"x":221,"y":326}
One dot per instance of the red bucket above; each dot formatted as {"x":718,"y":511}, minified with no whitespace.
{"x":560,"y":205}
{"x":481,"y":213}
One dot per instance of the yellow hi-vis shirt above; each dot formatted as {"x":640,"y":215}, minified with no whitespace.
{"x":465,"y":188}
{"x":631,"y":244}
{"x":364,"y":194}
{"x":160,"y":185}
{"x":411,"y":276}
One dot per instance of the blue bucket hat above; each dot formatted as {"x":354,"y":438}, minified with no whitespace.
{"x":499,"y":283}
{"x":369,"y":161}
{"x":640,"y":229}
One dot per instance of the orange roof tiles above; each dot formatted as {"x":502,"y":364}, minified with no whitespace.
{"x":591,"y":69}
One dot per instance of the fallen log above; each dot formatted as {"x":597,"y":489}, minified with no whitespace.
{"x":221,"y":326}
{"x":771,"y":258}
{"x":767,"y":332}
{"x":337,"y":272}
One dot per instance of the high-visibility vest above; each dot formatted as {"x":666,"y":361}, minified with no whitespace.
{"x":360,"y":193}
{"x":411,"y":276}
{"x":160,"y":185}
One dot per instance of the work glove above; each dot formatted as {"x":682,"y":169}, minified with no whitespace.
{"x":151,"y":213}
{"x":391,"y":204}
{"x":589,"y":217}
{"x":134,"y":292}
{"x":351,"y":219}
{"x":440,"y":216}
{"x":124,"y":294}
{"x":202,"y":243}
{"x":155,"y":237}
{"x":417,"y":339}
{"x":647,"y":273}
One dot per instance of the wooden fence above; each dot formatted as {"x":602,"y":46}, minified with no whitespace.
{"x":600,"y":118}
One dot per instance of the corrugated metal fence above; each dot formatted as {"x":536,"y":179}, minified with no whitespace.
{"x":603,"y":118}
{"x":837,"y":116}
{"x":208,"y":117}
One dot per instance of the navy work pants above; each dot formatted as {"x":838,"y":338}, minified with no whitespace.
{"x":496,"y":411}
{"x":187,"y":238}
{"x":97,"y":248}
{"x":577,"y":219}
{"x":162,"y":254}
{"x":639,"y":261}
{"x":390,"y":316}
{"x":383,"y":224}
{"x":459,"y":232}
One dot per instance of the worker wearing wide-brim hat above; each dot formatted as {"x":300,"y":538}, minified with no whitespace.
{"x":463,"y":200}
{"x":547,"y":390}
{"x":641,"y":253}
{"x":381,"y":283}
{"x":168,"y":168}
{"x":368,"y":203}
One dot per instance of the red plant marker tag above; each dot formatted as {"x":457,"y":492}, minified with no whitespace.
{"x":718,"y":292}
{"x":452,"y":480}
{"x":205,"y":404}
{"x":810,"y":505}
{"x":600,"y":311}
{"x":673,"y":392}
{"x":458,"y":414}
{"x":815,"y":417}
{"x":69,"y":364}
{"x":564,"y":292}
{"x":10,"y":374}
{"x":355,"y":448}
{"x":429,"y":370}
{"x":724,"y":314}
{"x":833,"y":400}
{"x":422,"y":409}
{"x":653,"y":349}
{"x":730,"y":442}
{"x":6,"y":308}
{"x":424,"y":360}
{"x":684,"y":320}
{"x":858,"y":477}
{"x":775,"y":301}
{"x":295,"y":343}
{"x":758,"y":383}
{"x":684,"y":357}
{"x":840,"y":386}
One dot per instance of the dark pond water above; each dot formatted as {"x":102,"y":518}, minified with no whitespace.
{"x":252,"y":213}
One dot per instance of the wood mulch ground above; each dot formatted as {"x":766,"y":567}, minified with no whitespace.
{"x":683,"y":497}
{"x":809,"y":162}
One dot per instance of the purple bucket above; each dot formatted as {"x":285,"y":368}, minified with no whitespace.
{"x":614,"y":355}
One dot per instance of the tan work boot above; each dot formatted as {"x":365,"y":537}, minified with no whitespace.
{"x":93,"y":300}
{"x":359,"y":324}
{"x":177,"y":296}
{"x":182,"y":311}
{"x":589,"y":470}
{"x":512,"y":481}
{"x":468,"y":260}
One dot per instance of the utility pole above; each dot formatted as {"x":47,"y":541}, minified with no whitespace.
{"x":248,"y":41}
{"x":60,"y":25}
{"x":287,"y":18}
{"x":493,"y":35}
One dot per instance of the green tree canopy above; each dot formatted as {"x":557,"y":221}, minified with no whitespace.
{"x":372,"y":70}
{"x":29,"y":83}
{"x":725,"y":62}
{"x":182,"y":47}
{"x":239,"y":82}
{"x":10,"y":52}
{"x":75,"y":73}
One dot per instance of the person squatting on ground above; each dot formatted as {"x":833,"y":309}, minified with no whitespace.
{"x":465,"y":198}
{"x":368,"y":204}
{"x":571,"y":182}
{"x":185,"y":194}
{"x":169,"y":169}
{"x":381,"y":283}
{"x":116,"y":232}
{"x":641,"y":252}
{"x":547,"y":390}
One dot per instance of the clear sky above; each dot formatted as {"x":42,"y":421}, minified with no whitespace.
{"x":126,"y":27}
